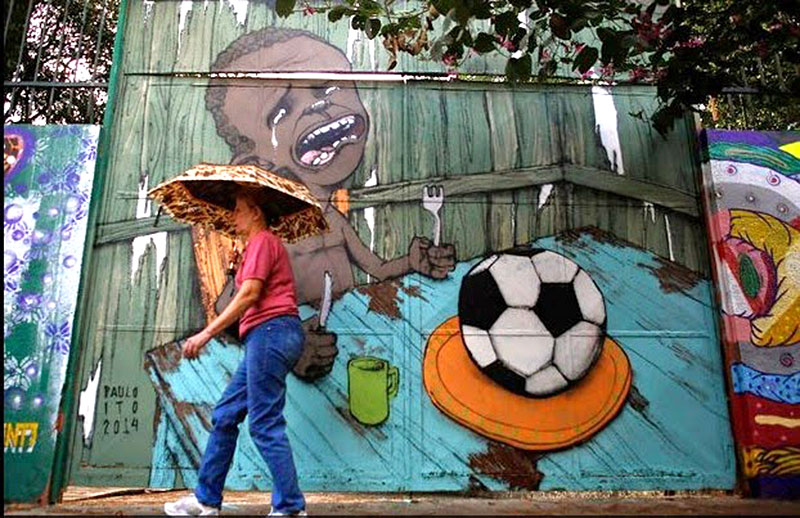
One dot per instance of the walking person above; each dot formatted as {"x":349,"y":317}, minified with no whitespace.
{"x":269,"y":326}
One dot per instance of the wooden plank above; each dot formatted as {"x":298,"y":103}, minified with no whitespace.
{"x":646,"y":154}
{"x":526,"y":213}
{"x":621,"y":185}
{"x":501,"y":220}
{"x":552,"y":217}
{"x":521,"y":178}
{"x":426,"y":136}
{"x":473,"y":187}
{"x":505,"y":146}
{"x":385,"y":149}
{"x":467,"y":226}
{"x":656,"y":239}
{"x":536,"y":127}
{"x":129,"y":229}
{"x":458,"y":186}
{"x":467,"y":148}
{"x":576,"y":127}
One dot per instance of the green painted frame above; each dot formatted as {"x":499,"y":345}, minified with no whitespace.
{"x":69,"y":402}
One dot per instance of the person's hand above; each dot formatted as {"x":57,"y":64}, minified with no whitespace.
{"x":319,"y":352}
{"x":193,"y":345}
{"x":432,"y":261}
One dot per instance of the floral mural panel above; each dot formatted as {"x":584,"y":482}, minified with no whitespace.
{"x":48,"y":173}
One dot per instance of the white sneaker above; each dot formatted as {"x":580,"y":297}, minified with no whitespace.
{"x":189,"y":506}
{"x":273,"y":512}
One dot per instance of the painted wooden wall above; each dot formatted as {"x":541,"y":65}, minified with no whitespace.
{"x":570,"y":169}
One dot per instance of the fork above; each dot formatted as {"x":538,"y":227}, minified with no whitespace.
{"x":432,"y":201}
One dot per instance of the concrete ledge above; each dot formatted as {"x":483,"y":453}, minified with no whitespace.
{"x":138,"y":502}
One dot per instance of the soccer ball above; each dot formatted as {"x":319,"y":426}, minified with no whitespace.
{"x":532,"y":320}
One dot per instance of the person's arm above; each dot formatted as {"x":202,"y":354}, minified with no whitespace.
{"x":247,"y":295}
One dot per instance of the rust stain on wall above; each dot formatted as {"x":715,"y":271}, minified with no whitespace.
{"x":165,"y":358}
{"x":515,"y":466}
{"x":414,"y":291}
{"x":573,"y":236}
{"x":383,"y":298}
{"x":672,"y":276}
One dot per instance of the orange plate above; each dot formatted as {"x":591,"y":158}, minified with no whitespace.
{"x":459,"y":389}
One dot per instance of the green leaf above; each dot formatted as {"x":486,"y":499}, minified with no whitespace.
{"x":372,"y":28}
{"x":284,"y":7}
{"x":609,"y":51}
{"x":605,"y":34}
{"x":358,"y":22}
{"x":560,"y":26}
{"x":443,"y":6}
{"x":586,"y":59}
{"x":484,"y":43}
{"x":369,"y":7}
{"x":518,"y":70}
{"x":505,"y":23}
{"x":336,"y":13}
{"x":521,"y":4}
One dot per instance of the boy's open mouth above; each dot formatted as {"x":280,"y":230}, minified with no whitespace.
{"x":320,"y":145}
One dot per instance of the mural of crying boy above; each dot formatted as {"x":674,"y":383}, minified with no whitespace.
{"x":314,"y":133}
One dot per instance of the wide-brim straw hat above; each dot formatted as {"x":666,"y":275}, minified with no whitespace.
{"x":206,"y":195}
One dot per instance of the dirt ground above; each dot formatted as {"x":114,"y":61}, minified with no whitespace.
{"x":137,"y":502}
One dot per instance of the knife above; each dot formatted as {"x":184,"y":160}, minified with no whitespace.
{"x":325,"y":308}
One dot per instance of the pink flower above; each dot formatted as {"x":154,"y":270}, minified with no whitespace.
{"x":638,"y":74}
{"x":449,"y":60}
{"x":692,"y":43}
{"x":308,"y":10}
{"x":607,"y":70}
{"x":509,"y":45}
{"x":546,"y":56}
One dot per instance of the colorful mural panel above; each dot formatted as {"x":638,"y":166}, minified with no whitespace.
{"x":753,"y":186}
{"x":500,"y":304}
{"x":48,"y":173}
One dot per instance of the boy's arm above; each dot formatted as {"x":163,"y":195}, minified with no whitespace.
{"x":422,"y":257}
{"x":363,"y":257}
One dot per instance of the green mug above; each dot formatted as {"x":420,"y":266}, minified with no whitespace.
{"x":371,"y":384}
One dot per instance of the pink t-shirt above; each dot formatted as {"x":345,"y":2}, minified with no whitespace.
{"x":265,"y":258}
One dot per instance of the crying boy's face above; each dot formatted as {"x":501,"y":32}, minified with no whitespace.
{"x":317,"y":130}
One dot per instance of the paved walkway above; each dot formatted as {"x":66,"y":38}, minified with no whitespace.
{"x":133,"y":502}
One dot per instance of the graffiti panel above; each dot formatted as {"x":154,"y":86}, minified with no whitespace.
{"x":507,"y":297}
{"x":48,"y":172}
{"x":754,"y":221}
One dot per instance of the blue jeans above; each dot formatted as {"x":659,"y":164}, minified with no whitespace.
{"x":259,"y":389}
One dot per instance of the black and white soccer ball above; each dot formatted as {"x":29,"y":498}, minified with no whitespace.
{"x":532,"y":320}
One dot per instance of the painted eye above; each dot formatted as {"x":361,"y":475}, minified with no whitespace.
{"x":773,"y":179}
{"x":731,"y":170}
{"x":748,"y":276}
{"x":782,"y":208}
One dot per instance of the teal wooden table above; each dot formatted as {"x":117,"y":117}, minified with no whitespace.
{"x":673,"y":431}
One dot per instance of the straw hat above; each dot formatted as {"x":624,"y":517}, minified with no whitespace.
{"x":206,"y":195}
